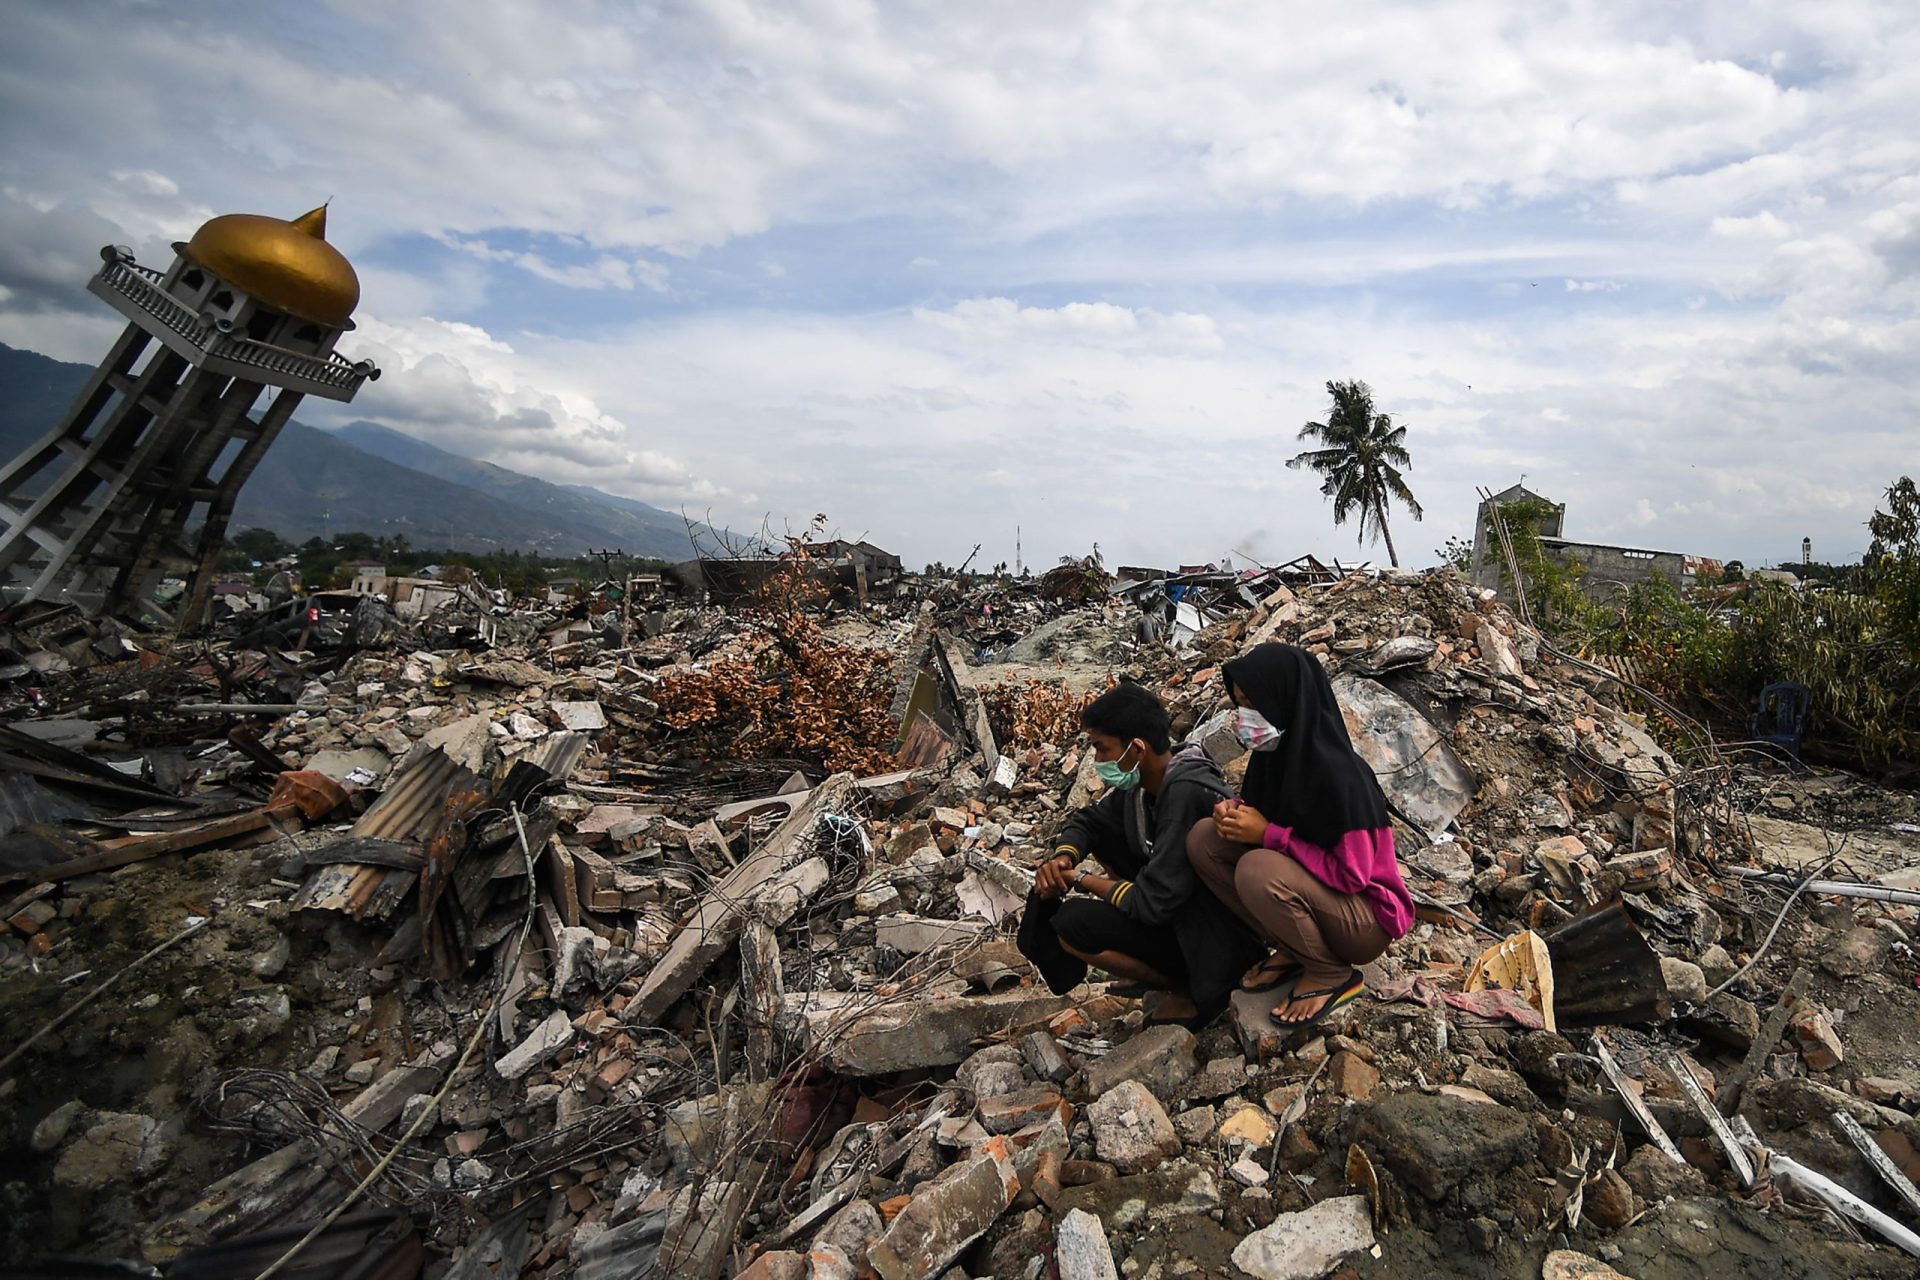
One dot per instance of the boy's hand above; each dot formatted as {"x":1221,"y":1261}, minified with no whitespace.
{"x":1054,"y":877}
{"x":1240,"y":822}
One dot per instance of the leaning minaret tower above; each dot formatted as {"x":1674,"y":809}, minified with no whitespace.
{"x":138,"y":480}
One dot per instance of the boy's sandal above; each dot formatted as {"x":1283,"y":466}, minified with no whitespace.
{"x":1274,"y":971}
{"x":1128,"y":990}
{"x":1344,"y":994}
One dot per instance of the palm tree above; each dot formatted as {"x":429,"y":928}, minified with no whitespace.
{"x":1360,"y":460}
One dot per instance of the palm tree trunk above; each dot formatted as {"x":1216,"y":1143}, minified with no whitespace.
{"x":1392,"y":555}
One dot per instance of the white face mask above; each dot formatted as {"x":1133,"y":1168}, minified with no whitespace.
{"x":1255,"y":731}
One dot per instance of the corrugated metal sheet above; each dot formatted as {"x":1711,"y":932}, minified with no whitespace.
{"x":559,"y":754}
{"x":406,"y":808}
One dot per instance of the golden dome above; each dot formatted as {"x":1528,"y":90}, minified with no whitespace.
{"x":287,"y":265}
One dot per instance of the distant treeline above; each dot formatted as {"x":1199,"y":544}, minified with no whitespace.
{"x":327,"y":563}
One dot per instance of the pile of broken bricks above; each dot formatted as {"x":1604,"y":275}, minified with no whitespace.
{"x":791,"y":1037}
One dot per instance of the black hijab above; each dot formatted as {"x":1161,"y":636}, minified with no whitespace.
{"x":1313,"y":781}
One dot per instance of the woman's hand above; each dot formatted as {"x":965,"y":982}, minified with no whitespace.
{"x":1054,"y":877}
{"x":1240,"y":822}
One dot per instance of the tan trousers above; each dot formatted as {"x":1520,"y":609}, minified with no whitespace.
{"x":1325,"y":932}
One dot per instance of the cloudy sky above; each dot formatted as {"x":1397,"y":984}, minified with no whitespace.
{"x":940,"y":270}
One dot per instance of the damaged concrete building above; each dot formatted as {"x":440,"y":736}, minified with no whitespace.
{"x":1607,"y":568}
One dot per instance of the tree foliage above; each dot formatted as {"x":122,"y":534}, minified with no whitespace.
{"x":1854,"y":644}
{"x":1359,"y":461}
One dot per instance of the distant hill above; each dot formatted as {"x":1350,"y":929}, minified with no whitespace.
{"x":608,"y":521}
{"x":366,"y":478}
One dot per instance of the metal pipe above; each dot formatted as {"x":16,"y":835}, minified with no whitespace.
{"x":1839,"y":888}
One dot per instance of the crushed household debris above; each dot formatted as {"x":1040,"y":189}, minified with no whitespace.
{"x":681,"y":944}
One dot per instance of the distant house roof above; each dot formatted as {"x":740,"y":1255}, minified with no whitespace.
{"x":1520,"y":493}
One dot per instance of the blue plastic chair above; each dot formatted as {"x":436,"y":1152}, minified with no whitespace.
{"x":1782,"y":715}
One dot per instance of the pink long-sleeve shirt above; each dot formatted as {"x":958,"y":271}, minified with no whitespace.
{"x":1363,"y":863}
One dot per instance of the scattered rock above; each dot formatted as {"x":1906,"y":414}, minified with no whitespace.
{"x":1685,"y":980}
{"x":53,"y":1127}
{"x":116,"y":1148}
{"x":1819,"y":1044}
{"x":1130,"y":1128}
{"x":1160,"y":1058}
{"x":1308,"y":1244}
{"x":1080,"y":1250}
{"x":1436,"y":1143}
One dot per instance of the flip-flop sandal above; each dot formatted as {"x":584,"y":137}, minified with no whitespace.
{"x":1129,"y":990}
{"x":1344,"y":994}
{"x":1272,"y":975}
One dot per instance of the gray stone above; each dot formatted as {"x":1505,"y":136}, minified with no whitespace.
{"x":1195,"y":1123}
{"x":1855,"y":952}
{"x":1248,"y":1172}
{"x":858,"y":1039}
{"x":269,"y":963}
{"x":53,"y":1128}
{"x":1081,"y":1250}
{"x":853,"y":1229}
{"x":1685,"y":980}
{"x":1717,"y":964}
{"x":117,"y":1147}
{"x":1436,"y":1143}
{"x":1308,"y":1244}
{"x":1161,"y":1058}
{"x":1130,"y":1128}
{"x":992,"y":1071}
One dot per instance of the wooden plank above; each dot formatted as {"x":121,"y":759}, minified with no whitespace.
{"x":1882,"y":1164}
{"x":1734,"y":1087}
{"x":762,"y":991}
{"x":140,"y":848}
{"x":717,"y":921}
{"x":1716,"y":1123}
{"x":563,"y":882}
{"x":1634,"y":1103}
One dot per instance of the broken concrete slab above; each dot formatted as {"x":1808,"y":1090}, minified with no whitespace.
{"x":1175,"y":1190}
{"x":946,"y":1215}
{"x":864,"y":1035}
{"x":913,"y":935}
{"x":540,"y":1044}
{"x":715,"y":924}
{"x":1435,"y":1143}
{"x":581,"y":717}
{"x":116,"y":1147}
{"x":1160,"y":1058}
{"x":1080,"y":1248}
{"x":1308,"y":1244}
{"x":1131,"y":1130}
{"x":1420,"y":773}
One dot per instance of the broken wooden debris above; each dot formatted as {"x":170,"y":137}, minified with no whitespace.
{"x":1882,"y":1165}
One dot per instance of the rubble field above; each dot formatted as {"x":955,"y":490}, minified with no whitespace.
{"x":476,"y":949}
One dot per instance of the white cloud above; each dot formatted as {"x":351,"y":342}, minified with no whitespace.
{"x":1087,"y":257}
{"x":466,"y":391}
{"x":1762,"y":226}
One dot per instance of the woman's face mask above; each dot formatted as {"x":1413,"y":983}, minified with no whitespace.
{"x":1114,"y":775}
{"x":1255,"y":731}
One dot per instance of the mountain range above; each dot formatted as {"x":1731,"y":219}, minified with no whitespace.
{"x":368,"y":478}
